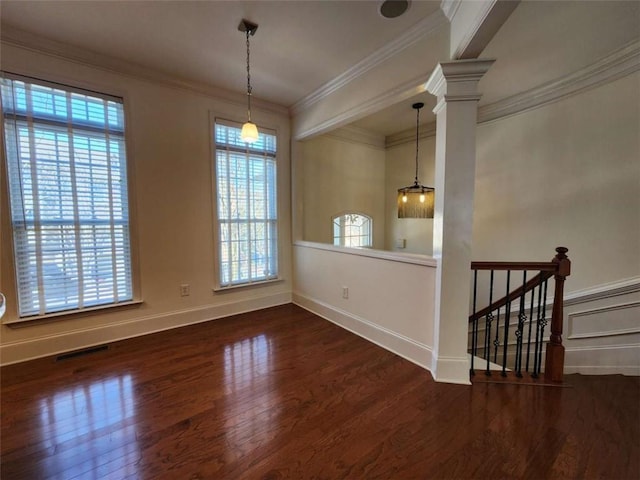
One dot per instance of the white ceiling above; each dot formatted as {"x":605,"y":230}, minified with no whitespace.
{"x":299,"y":45}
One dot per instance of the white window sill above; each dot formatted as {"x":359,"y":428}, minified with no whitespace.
{"x":219,"y":289}
{"x":71,"y":313}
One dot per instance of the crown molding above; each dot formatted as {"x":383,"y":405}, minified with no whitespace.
{"x":386,"y":99}
{"x":618,"y":64}
{"x":28,"y":41}
{"x":359,"y":135}
{"x":450,"y":8}
{"x":472,"y":32}
{"x":409,"y":135}
{"x":424,"y":28}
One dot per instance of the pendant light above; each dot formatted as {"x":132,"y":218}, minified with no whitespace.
{"x":416,"y":201}
{"x":249,"y":132}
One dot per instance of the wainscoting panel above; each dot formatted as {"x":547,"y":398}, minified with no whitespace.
{"x":602,"y":329}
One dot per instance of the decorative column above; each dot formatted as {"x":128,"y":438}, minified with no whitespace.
{"x":455,"y":84}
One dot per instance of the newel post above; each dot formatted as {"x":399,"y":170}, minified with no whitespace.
{"x":554,"y":364}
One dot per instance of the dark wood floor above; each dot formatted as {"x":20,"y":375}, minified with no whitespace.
{"x":281,"y":394}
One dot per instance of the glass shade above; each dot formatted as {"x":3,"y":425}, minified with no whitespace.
{"x":249,"y":132}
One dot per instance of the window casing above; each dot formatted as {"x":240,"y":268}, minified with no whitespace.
{"x":68,"y":193}
{"x":352,"y":230}
{"x":247,"y":222}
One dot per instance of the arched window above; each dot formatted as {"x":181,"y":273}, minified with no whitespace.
{"x":352,"y":230}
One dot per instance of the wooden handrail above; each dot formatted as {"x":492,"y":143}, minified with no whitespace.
{"x":560,"y":268}
{"x":540,"y":266}
{"x":518,"y":292}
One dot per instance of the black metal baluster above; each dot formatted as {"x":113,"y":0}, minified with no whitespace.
{"x":533,"y":294}
{"x":474,"y":334}
{"x":521,"y":319}
{"x":496,"y":341}
{"x":487,"y":329}
{"x":538,"y":346}
{"x":507,"y":314}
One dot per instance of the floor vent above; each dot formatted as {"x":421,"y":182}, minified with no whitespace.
{"x":79,"y":353}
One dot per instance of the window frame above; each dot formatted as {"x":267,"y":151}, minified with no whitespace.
{"x":8,"y":272}
{"x":343,"y":237}
{"x":219,"y":286}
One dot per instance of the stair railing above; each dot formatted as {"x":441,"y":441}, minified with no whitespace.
{"x":527,"y":303}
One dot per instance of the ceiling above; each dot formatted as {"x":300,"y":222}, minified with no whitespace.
{"x":298,"y":47}
{"x":302,"y":45}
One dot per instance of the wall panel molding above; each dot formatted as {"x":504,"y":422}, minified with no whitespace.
{"x":609,"y":321}
{"x":603,"y":291}
{"x":601,"y":329}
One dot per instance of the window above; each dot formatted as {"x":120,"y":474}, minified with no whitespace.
{"x":66,"y":166}
{"x":352,"y":230}
{"x":246,"y":206}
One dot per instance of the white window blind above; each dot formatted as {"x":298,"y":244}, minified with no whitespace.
{"x":246,"y":206}
{"x":66,"y":164}
{"x":352,"y":230}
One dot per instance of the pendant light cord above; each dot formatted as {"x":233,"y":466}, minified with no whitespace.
{"x":248,"y":78}
{"x":417,"y":141}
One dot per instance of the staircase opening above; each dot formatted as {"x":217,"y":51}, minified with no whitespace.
{"x":512,"y":333}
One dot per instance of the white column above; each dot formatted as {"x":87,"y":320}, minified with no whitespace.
{"x":455,"y":84}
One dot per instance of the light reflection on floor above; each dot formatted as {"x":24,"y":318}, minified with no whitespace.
{"x":250,"y":399}
{"x":86,"y":427}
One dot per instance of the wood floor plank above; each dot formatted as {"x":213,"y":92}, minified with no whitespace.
{"x":283,"y":394}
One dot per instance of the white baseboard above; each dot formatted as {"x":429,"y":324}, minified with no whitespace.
{"x":405,"y":347}
{"x":23,"y":350}
{"x":603,"y":360}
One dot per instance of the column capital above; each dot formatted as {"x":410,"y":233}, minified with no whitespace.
{"x":458,"y":81}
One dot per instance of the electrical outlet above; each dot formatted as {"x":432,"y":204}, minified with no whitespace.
{"x":185,"y":290}
{"x":345,"y":292}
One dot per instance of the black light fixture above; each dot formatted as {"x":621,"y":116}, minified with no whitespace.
{"x":249,"y":132}
{"x":416,"y":201}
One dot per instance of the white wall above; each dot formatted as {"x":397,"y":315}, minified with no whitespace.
{"x":391,"y":296}
{"x":341,"y":176}
{"x":169,"y":147}
{"x":564,"y":174}
{"x":568,"y":174}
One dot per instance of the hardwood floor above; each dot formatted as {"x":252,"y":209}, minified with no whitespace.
{"x":281,"y":394}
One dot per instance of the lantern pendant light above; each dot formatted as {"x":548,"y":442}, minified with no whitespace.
{"x":249,"y":132}
{"x":416,"y":201}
